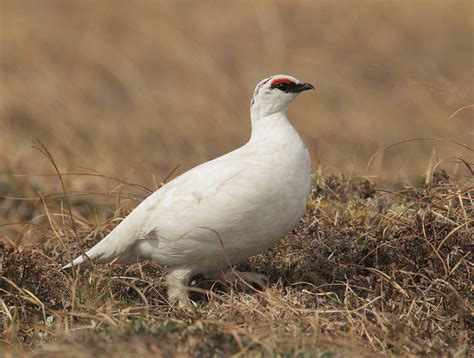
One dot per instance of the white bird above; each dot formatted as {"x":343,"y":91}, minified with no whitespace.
{"x":226,"y":210}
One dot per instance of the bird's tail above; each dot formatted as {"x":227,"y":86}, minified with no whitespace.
{"x":96,"y":254}
{"x":80,"y":260}
{"x":110,"y":248}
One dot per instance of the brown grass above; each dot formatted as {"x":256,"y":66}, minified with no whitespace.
{"x":366,"y":272}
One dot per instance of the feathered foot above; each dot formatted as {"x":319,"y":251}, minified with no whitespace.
{"x":249,"y":277}
{"x":178,"y":282}
{"x":234,"y":276}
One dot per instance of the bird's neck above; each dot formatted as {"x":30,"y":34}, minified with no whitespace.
{"x":271,"y":128}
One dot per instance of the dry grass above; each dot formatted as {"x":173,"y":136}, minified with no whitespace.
{"x":119,"y":90}
{"x":366,"y":272}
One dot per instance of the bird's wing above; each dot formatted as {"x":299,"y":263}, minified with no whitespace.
{"x":184,"y":197}
{"x":222,"y":204}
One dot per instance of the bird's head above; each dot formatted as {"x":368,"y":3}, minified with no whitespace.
{"x":275,"y":93}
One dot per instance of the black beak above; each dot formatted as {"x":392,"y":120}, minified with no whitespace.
{"x":300,"y":87}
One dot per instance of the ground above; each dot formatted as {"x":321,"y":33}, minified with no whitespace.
{"x":366,"y":272}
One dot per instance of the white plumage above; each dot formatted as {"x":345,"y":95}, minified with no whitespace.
{"x":240,"y":203}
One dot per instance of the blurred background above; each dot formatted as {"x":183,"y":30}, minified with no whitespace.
{"x":141,"y":86}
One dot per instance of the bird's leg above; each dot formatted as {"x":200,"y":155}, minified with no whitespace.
{"x":234,"y":276}
{"x":177,"y":282}
{"x":249,"y":277}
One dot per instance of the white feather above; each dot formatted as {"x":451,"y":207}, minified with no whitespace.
{"x":226,"y":209}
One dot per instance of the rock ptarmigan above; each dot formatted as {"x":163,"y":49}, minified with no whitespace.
{"x":223,"y":211}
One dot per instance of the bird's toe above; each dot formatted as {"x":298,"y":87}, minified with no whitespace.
{"x":249,"y":277}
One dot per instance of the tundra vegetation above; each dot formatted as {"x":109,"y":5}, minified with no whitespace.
{"x":367,"y":271}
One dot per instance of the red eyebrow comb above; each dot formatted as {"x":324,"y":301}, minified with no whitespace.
{"x":277,"y":81}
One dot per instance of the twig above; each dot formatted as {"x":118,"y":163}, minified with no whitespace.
{"x":37,"y":144}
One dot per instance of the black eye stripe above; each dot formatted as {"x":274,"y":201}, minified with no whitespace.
{"x":282,"y":86}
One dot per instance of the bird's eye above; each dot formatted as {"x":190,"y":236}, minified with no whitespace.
{"x":283,"y":86}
